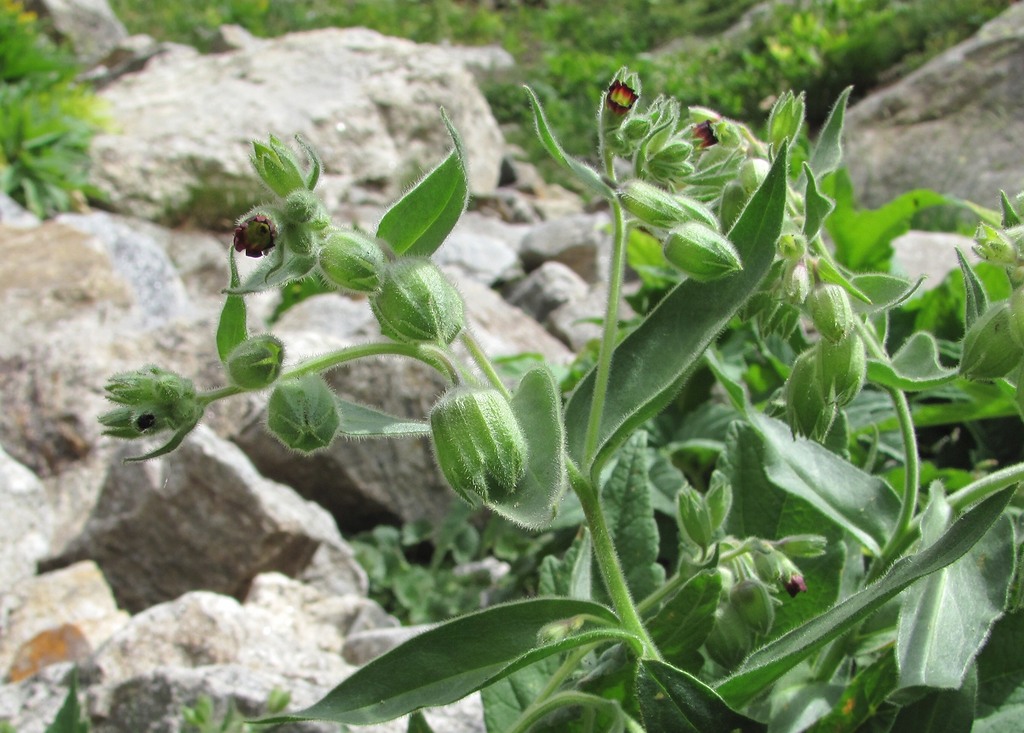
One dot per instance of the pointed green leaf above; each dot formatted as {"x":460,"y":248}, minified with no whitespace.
{"x":770,"y":662}
{"x":1010,"y":216}
{"x":167,"y":447}
{"x":1001,"y":678}
{"x":817,"y":206}
{"x":277,"y":269}
{"x":69,"y":718}
{"x":571,"y":575}
{"x":419,"y":222}
{"x":651,"y":364}
{"x":537,"y":405}
{"x":418,"y":724}
{"x":508,"y":698}
{"x":360,"y":421}
{"x":454,"y":659}
{"x":861,"y":699}
{"x":945,"y":618}
{"x":828,"y":150}
{"x":882,"y":291}
{"x":626,"y":499}
{"x":231,"y":329}
{"x":977,"y":299}
{"x":944,"y":711}
{"x":672,"y":701}
{"x":584,"y":173}
{"x":684,"y":622}
{"x":914,"y":367}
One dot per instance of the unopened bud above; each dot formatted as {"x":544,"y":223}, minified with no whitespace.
{"x":730,"y":639}
{"x":694,"y":517}
{"x":151,"y":400}
{"x":993,"y":245}
{"x":701,"y":252}
{"x":415,"y":302}
{"x":754,"y":604}
{"x":718,"y":499}
{"x":734,"y":198}
{"x":303,"y":413}
{"x":671,"y":163}
{"x":277,"y":166}
{"x":796,"y":281}
{"x":256,"y":362}
{"x":752,"y":174}
{"x":802,"y":545}
{"x":990,"y":350}
{"x":842,"y":369}
{"x":830,"y":309}
{"x":478,"y":443}
{"x":807,"y":411}
{"x":785,"y":119}
{"x":795,"y":585}
{"x":303,"y":207}
{"x":660,"y":209}
{"x":352,"y":261}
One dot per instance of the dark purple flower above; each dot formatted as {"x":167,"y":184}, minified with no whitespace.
{"x":704,"y":132}
{"x":620,"y":98}
{"x":795,"y":585}
{"x":255,"y":236}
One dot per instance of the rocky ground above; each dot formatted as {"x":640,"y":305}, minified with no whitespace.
{"x":222,"y":569}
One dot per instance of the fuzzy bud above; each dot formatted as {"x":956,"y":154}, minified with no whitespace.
{"x":256,"y":362}
{"x":730,"y":206}
{"x":785,"y":119}
{"x":842,"y":369}
{"x":352,"y":261}
{"x":150,"y":400}
{"x":478,"y":443}
{"x":302,"y":207}
{"x":303,"y":413}
{"x":830,"y":309}
{"x":718,"y":499}
{"x":990,"y":351}
{"x":807,"y":411}
{"x":658,"y":208}
{"x":754,"y":604}
{"x":1016,"y":305}
{"x":671,"y":163}
{"x":416,"y":303}
{"x":752,"y":174}
{"x":701,"y":252}
{"x":694,"y":517}
{"x":277,"y":166}
{"x":730,"y":639}
{"x":993,"y":245}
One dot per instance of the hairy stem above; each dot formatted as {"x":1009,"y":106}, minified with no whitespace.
{"x":475,"y":351}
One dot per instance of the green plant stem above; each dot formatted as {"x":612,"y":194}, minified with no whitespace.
{"x":608,"y":337}
{"x":336,"y":358}
{"x":561,"y":700}
{"x":608,"y":561}
{"x":475,"y":351}
{"x":911,"y":481}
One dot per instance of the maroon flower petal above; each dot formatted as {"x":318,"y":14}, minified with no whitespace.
{"x":255,"y":236}
{"x":620,"y":98}
{"x":795,"y":585}
{"x":704,"y":132}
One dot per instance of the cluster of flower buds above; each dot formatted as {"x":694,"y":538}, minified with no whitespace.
{"x":700,"y":516}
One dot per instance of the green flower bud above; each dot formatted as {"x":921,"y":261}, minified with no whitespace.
{"x":671,"y":163}
{"x":807,"y":411}
{"x":785,"y":119}
{"x":718,"y":499}
{"x":303,"y":413}
{"x":830,"y":309}
{"x":694,"y":517}
{"x":734,"y":198}
{"x":802,"y":545}
{"x":256,"y":362}
{"x":990,"y":350}
{"x":352,"y":261}
{"x":701,"y":252}
{"x":842,"y":369}
{"x":277,"y":166}
{"x":1016,"y":302}
{"x":796,"y":281}
{"x":151,"y":400}
{"x":302,"y":207}
{"x":415,"y":302}
{"x":730,"y":639}
{"x":752,"y":174}
{"x":478,"y":443}
{"x":993,"y":245}
{"x":658,"y":208}
{"x":754,"y":604}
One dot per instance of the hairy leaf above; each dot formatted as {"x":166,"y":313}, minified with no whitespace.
{"x":684,"y":622}
{"x":231,"y":329}
{"x":673,"y":701}
{"x":914,"y":367}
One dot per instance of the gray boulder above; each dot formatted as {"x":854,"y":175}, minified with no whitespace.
{"x":581,"y":242}
{"x":366,"y":102}
{"x":88,"y":26}
{"x":28,"y":523}
{"x":953,"y":125}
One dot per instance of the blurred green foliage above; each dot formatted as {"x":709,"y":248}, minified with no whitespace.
{"x":48,"y":119}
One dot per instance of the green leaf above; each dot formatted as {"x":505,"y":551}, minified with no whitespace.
{"x":944,"y":711}
{"x":914,"y":367}
{"x":572,"y":574}
{"x":651,"y":364}
{"x":277,"y":269}
{"x":69,"y":718}
{"x":537,"y":405}
{"x":583,"y":173}
{"x":861,"y":698}
{"x":882,"y":291}
{"x":1001,"y":678}
{"x":817,"y":206}
{"x":231,"y":329}
{"x":175,"y":440}
{"x":507,"y":699}
{"x":626,"y":499}
{"x":454,"y":659}
{"x":684,"y":622}
{"x":828,"y":150}
{"x":360,"y":421}
{"x":418,"y":724}
{"x":419,"y":222}
{"x":860,"y":503}
{"x":945,"y":619}
{"x":770,"y":662}
{"x":974,"y":291}
{"x":672,"y":701}
{"x":1010,"y":216}
{"x":863,"y":238}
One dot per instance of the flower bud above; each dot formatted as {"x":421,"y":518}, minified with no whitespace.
{"x":303,"y":413}
{"x":150,"y":401}
{"x":671,"y":163}
{"x":754,"y":604}
{"x":1016,"y":306}
{"x":807,"y":411}
{"x":796,"y":281}
{"x":704,"y":132}
{"x":694,"y":517}
{"x":718,"y":499}
{"x":989,"y":349}
{"x":277,"y":166}
{"x":415,"y":302}
{"x":730,"y":639}
{"x":802,"y":545}
{"x":993,"y":245}
{"x":842,"y":368}
{"x":478,"y":443}
{"x":795,"y":585}
{"x":352,"y":261}
{"x":304,"y":207}
{"x":785,"y":119}
{"x":752,"y":174}
{"x":734,"y":198}
{"x":255,"y":236}
{"x":660,"y":209}
{"x":256,"y":362}
{"x":701,"y":252}
{"x":830,"y":309}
